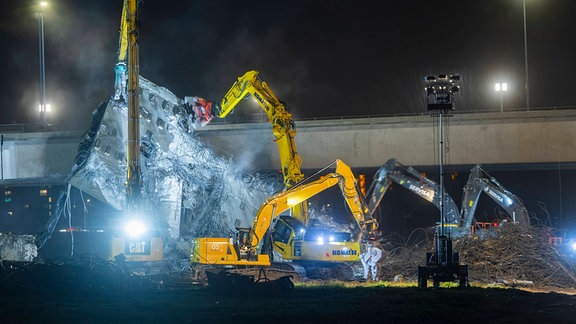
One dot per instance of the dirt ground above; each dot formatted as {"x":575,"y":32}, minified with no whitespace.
{"x":101,"y":294}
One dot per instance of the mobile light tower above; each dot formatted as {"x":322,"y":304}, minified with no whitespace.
{"x":442,"y":264}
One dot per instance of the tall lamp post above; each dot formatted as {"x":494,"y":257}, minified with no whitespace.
{"x":526,"y":89}
{"x":42,"y":84}
{"x":501,"y":88}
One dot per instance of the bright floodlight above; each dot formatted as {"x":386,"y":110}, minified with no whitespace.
{"x":135,"y":228}
{"x":501,"y":87}
{"x":45,"y":108}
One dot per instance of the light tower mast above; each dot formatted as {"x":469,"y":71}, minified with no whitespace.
{"x":442,"y":264}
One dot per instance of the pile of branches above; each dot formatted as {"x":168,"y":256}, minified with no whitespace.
{"x":402,"y":256}
{"x":506,"y":254}
{"x":512,"y":253}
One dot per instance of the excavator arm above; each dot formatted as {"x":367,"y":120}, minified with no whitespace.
{"x":395,"y":172}
{"x":477,"y":184}
{"x":121,"y":68}
{"x":283,"y":127}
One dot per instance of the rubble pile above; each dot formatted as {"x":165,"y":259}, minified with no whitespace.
{"x":15,"y":247}
{"x":506,"y":254}
{"x":188,"y":189}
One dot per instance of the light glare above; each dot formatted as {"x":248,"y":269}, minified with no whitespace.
{"x":501,"y":87}
{"x":48,"y":108}
{"x":134,"y":228}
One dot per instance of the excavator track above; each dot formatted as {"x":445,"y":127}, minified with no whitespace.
{"x":296,"y":271}
{"x":321,"y":270}
{"x":234,"y":283}
{"x":274,"y":272}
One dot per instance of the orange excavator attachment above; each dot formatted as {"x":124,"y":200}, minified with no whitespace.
{"x":202,"y":110}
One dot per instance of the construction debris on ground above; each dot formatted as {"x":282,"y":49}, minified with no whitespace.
{"x":507,"y":255}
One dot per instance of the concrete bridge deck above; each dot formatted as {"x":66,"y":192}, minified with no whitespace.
{"x":521,"y":137}
{"x":526,"y":137}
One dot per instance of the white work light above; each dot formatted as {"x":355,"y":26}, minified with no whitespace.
{"x":135,"y":228}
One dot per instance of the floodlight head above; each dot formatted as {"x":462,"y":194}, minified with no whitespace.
{"x":440,"y":91}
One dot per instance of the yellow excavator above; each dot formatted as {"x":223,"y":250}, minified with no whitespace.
{"x":305,"y":252}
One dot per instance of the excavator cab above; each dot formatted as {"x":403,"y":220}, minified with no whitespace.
{"x":297,"y":242}
{"x":288,"y":228}
{"x":242,"y":244}
{"x":287,"y":236}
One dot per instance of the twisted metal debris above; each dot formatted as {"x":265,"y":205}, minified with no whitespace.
{"x":189,"y":190}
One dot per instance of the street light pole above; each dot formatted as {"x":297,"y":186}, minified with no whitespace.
{"x":526,"y":89}
{"x":42,"y":83}
{"x":501,"y":88}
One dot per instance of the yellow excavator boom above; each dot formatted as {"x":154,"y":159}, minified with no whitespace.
{"x":283,"y":127}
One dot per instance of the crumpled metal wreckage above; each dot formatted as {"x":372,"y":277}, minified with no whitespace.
{"x":189,"y":190}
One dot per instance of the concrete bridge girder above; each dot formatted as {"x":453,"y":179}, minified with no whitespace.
{"x":547,"y":136}
{"x":488,"y":138}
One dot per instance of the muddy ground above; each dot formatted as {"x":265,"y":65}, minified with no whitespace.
{"x":102,"y":294}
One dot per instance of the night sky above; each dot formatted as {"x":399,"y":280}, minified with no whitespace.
{"x":322,"y":58}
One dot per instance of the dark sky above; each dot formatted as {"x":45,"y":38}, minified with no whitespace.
{"x":322,"y":58}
